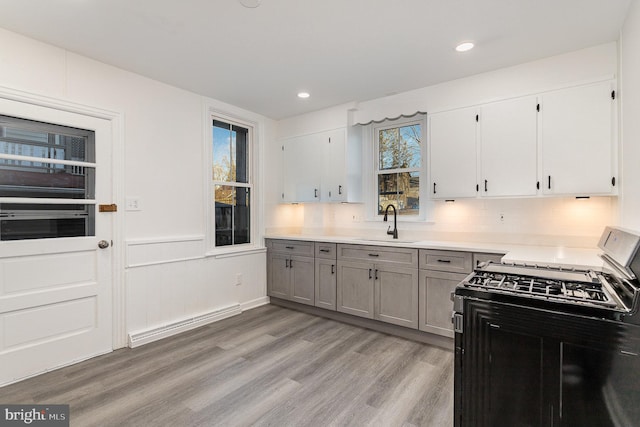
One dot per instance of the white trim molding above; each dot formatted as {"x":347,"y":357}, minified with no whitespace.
{"x":146,"y":336}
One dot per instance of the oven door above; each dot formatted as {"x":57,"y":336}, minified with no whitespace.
{"x":517,"y":365}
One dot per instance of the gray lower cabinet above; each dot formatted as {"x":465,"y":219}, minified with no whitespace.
{"x":435,"y":301}
{"x":326,"y":274}
{"x":291,"y":270}
{"x":396,"y":299}
{"x":302,"y":270}
{"x":440,"y":273}
{"x":385,"y":290}
{"x":355,"y":291}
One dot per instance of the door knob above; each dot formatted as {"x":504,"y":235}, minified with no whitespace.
{"x":103,"y":244}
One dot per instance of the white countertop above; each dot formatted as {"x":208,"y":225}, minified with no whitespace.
{"x":580,"y":258}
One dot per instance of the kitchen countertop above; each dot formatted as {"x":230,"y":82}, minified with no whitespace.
{"x":579,"y":258}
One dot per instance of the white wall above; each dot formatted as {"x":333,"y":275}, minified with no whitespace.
{"x":168,"y":276}
{"x":536,"y":220}
{"x":630,"y":93}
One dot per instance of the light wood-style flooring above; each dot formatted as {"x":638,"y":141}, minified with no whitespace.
{"x":269,"y":366}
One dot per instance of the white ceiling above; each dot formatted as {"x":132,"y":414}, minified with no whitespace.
{"x":338,"y":50}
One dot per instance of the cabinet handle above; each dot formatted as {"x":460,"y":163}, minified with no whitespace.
{"x":290,"y":263}
{"x":286,"y":263}
{"x":369,"y":274}
{"x":434,"y":188}
{"x":289,"y":247}
{"x":333,"y":269}
{"x":549,"y":183}
{"x":324,"y":250}
{"x":374,"y":255}
{"x":315,"y":193}
{"x":376,"y":274}
{"x":485,"y":185}
{"x":446,"y":261}
{"x":339,"y":189}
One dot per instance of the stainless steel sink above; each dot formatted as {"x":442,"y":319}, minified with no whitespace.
{"x":373,"y":240}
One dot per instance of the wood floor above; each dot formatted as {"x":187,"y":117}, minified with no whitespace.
{"x":269,"y":366}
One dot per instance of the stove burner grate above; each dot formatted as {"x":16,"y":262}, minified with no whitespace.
{"x":541,"y":287}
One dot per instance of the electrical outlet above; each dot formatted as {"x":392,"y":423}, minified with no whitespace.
{"x":238,"y":279}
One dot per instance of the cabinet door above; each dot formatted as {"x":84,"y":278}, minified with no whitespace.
{"x":397,"y":295}
{"x":334,"y":174}
{"x":508,"y":148}
{"x":355,"y":289}
{"x":436,"y":306}
{"x":453,"y":162}
{"x":302,"y":279}
{"x":302,"y":168}
{"x":325,"y":284}
{"x":577,"y":140}
{"x":279,"y":280}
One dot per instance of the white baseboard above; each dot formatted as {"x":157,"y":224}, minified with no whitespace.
{"x":254,"y":303}
{"x":139,"y":338}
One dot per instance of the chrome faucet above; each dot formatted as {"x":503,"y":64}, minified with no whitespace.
{"x":393,"y":232}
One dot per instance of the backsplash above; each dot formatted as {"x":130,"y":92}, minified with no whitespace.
{"x":535,"y":221}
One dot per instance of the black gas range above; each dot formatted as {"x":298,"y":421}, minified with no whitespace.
{"x":551,"y":345}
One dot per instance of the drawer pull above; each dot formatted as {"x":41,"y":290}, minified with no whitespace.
{"x":325,"y":250}
{"x":446,"y":261}
{"x":374,"y":255}
{"x":289,"y":247}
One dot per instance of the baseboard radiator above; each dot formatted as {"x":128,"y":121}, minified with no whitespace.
{"x":139,"y":338}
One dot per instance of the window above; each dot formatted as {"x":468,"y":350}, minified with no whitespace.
{"x":47,"y":180}
{"x":231,"y":180}
{"x":399,"y":166}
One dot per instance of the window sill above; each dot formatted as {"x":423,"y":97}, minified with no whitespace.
{"x":235,"y":252}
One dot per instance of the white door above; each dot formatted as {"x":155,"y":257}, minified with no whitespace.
{"x":55,"y":292}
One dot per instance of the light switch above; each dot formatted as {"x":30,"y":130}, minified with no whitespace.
{"x":133,"y":204}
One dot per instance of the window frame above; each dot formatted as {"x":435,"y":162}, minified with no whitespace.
{"x":210,"y":184}
{"x":424,"y":210}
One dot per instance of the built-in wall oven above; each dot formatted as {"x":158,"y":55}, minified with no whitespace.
{"x":547,"y":346}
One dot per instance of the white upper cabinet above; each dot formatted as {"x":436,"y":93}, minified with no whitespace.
{"x":578,"y":140}
{"x":323,"y":167}
{"x":452,"y":159}
{"x":342,"y":171}
{"x":302,"y":169}
{"x":508,"y":148}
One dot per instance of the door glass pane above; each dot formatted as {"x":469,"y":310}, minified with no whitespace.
{"x":43,"y":160}
{"x":233,"y":215}
{"x":229,"y":152}
{"x":401,"y":190}
{"x":399,"y":148}
{"x":31,"y":175}
{"x":38,"y":221}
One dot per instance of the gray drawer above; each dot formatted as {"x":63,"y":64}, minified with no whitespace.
{"x":482,"y":257}
{"x":399,"y":256}
{"x":453,"y":261}
{"x":293,"y":247}
{"x":326,"y":250}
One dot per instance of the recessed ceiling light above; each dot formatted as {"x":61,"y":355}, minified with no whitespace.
{"x":463,"y":47}
{"x":250,"y":3}
{"x":303,"y":95}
